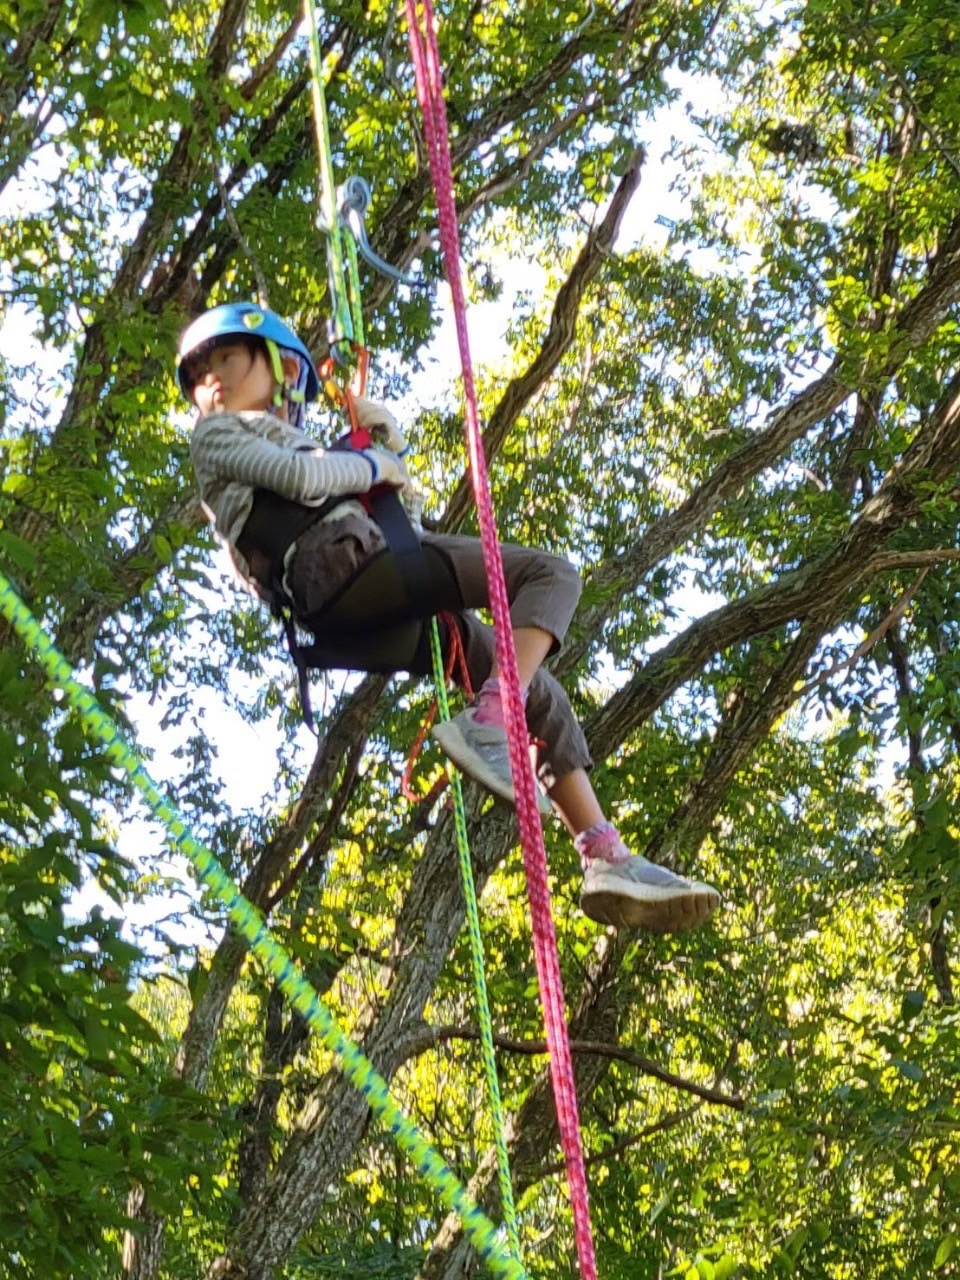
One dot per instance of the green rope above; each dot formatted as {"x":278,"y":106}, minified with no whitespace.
{"x":344,"y":330}
{"x":476,"y":956}
{"x":361,"y":1073}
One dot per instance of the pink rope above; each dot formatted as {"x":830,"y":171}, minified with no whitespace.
{"x":426,"y":64}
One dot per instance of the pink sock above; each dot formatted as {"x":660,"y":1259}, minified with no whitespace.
{"x":489,"y":707}
{"x":601,"y":841}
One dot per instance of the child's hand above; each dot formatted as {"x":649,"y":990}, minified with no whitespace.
{"x":387,"y":469}
{"x":382,"y":425}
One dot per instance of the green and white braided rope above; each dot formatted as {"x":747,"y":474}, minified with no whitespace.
{"x":482,"y":1233}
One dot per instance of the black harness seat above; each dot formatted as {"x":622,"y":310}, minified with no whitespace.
{"x":375,"y":621}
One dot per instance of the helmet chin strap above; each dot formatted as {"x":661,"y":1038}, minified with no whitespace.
{"x":283,"y":393}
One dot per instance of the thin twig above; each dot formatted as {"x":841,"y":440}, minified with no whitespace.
{"x":253,"y":82}
{"x":624,"y":1144}
{"x":319,"y":845}
{"x":244,"y":243}
{"x":879,"y":631}
{"x":912,"y":559}
{"x":928,"y":128}
{"x":536,"y":1048}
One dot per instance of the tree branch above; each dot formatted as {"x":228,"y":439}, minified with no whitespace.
{"x":818,"y":589}
{"x":19,"y":132}
{"x":912,"y":720}
{"x":143,"y":1250}
{"x":620,"y":1053}
{"x":877,"y":634}
{"x":911,"y":327}
{"x":394,"y":224}
{"x":669,"y":1121}
{"x":560,"y":333}
{"x":319,"y":846}
{"x":336,"y":1116}
{"x":741,"y":730}
{"x":265,"y":70}
{"x":347,"y":729}
{"x":928,"y":128}
{"x":885,"y":560}
{"x":533,"y":1132}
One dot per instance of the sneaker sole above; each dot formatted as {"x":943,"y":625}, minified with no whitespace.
{"x":647,"y":907}
{"x":455,"y":747}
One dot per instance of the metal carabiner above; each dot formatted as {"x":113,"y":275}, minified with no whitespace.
{"x":353,"y":200}
{"x":342,"y":396}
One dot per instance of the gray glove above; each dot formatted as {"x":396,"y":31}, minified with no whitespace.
{"x":382,"y":425}
{"x":387,"y":468}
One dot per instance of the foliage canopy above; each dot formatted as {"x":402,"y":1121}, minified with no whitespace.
{"x":741,"y":419}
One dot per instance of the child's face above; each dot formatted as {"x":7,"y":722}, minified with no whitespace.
{"x":232,"y":377}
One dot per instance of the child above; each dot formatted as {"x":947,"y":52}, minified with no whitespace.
{"x":290,"y":513}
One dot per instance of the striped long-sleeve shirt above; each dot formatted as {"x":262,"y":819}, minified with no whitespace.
{"x":235,"y":453}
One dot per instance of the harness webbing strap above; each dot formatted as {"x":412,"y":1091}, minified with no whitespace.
{"x":429,"y":81}
{"x":275,"y":522}
{"x":250,"y":925}
{"x":404,"y":543}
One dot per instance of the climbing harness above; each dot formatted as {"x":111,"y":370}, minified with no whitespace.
{"x":248,"y":922}
{"x":385,"y":591}
{"x":429,"y":81}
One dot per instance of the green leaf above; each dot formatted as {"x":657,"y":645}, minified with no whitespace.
{"x":910,"y":1070}
{"x":911,"y":1005}
{"x":15,"y":549}
{"x":945,"y":1250}
{"x":659,"y":1207}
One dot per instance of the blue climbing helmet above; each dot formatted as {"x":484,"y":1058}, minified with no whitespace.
{"x":248,"y":320}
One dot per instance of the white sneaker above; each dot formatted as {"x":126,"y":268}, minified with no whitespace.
{"x":638,"y":894}
{"x":481,"y":752}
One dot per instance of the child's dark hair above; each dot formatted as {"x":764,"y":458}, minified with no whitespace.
{"x":199,"y":355}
